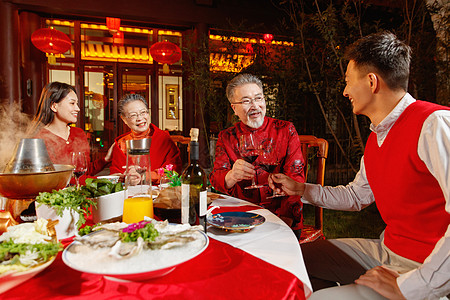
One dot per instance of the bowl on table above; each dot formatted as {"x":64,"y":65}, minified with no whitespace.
{"x":66,"y":226}
{"x":108,"y":207}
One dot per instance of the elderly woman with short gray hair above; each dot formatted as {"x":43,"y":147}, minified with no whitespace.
{"x":134,"y":112}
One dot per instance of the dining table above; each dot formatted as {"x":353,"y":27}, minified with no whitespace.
{"x":263,"y":263}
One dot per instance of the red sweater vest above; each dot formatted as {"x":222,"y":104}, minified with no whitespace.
{"x":408,"y":197}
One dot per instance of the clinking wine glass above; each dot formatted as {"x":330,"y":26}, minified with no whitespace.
{"x":269,"y":162}
{"x":250,"y":149}
{"x":80,"y":163}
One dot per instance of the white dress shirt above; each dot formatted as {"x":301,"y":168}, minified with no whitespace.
{"x":432,"y":279}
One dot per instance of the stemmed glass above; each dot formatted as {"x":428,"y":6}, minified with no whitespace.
{"x":269,"y":161}
{"x":250,"y":149}
{"x":80,"y":163}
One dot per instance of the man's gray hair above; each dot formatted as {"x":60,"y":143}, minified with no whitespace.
{"x":239,"y":80}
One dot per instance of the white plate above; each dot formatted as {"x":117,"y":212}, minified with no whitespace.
{"x":11,"y":279}
{"x":146,"y":265}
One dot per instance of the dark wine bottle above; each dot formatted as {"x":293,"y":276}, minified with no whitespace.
{"x":193,"y":188}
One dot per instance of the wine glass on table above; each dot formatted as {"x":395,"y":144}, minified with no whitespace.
{"x":250,"y":149}
{"x":269,"y":161}
{"x":80,"y":163}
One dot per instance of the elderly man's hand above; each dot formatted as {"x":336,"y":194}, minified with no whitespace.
{"x":241,"y":170}
{"x":383,"y":281}
{"x":283,"y":184}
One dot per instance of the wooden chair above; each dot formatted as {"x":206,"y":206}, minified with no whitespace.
{"x":320,"y":146}
{"x":183,"y":143}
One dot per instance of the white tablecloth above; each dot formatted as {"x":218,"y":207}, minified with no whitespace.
{"x":273,"y":241}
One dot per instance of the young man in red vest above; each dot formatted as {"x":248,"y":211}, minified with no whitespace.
{"x":405,"y":170}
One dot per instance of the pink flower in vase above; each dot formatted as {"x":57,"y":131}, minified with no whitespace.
{"x":169,"y":167}
{"x":160,"y":171}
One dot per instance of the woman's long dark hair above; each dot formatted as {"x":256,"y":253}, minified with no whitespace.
{"x":53,"y":92}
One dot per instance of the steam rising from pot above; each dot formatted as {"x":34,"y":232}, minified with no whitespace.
{"x":13,"y":127}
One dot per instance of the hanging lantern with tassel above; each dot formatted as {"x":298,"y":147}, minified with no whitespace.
{"x":51,"y":41}
{"x":113,"y":24}
{"x":268,"y":38}
{"x":166,"y":53}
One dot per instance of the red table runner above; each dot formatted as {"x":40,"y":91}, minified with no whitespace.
{"x":220,"y":272}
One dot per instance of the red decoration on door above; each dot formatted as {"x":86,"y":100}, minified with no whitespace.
{"x":118,"y":38}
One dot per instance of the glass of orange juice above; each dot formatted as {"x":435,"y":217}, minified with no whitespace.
{"x":137,"y":207}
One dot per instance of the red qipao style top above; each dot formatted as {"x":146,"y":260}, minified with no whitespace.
{"x":409,"y":198}
{"x":163,"y":150}
{"x":60,"y":150}
{"x":289,"y":153}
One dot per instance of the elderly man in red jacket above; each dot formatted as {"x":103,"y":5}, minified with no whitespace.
{"x":232,"y":174}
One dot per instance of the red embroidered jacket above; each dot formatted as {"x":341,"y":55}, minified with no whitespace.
{"x":289,"y":153}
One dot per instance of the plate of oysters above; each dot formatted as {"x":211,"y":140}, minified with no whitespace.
{"x":135,"y":252}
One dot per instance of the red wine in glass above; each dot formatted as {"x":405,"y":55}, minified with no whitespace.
{"x":269,"y":161}
{"x":268,"y":167}
{"x":78,"y":174}
{"x":249,"y":148}
{"x":250,"y":158}
{"x":80,"y":165}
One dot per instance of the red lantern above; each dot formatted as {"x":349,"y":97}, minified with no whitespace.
{"x":165,"y":52}
{"x":113,"y":24}
{"x":268,"y":37}
{"x":50,"y":40}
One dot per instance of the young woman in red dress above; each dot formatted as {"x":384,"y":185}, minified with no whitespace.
{"x":57,"y":110}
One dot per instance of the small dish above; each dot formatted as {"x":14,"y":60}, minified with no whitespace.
{"x":12,"y":279}
{"x":235,"y":221}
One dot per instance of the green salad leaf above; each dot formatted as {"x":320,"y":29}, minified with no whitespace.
{"x":99,"y":187}
{"x":87,"y":229}
{"x":10,"y":251}
{"x":69,"y":198}
{"x":145,"y":230}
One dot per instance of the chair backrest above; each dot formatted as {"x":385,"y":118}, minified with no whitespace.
{"x":183,"y":142}
{"x":321,"y":152}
